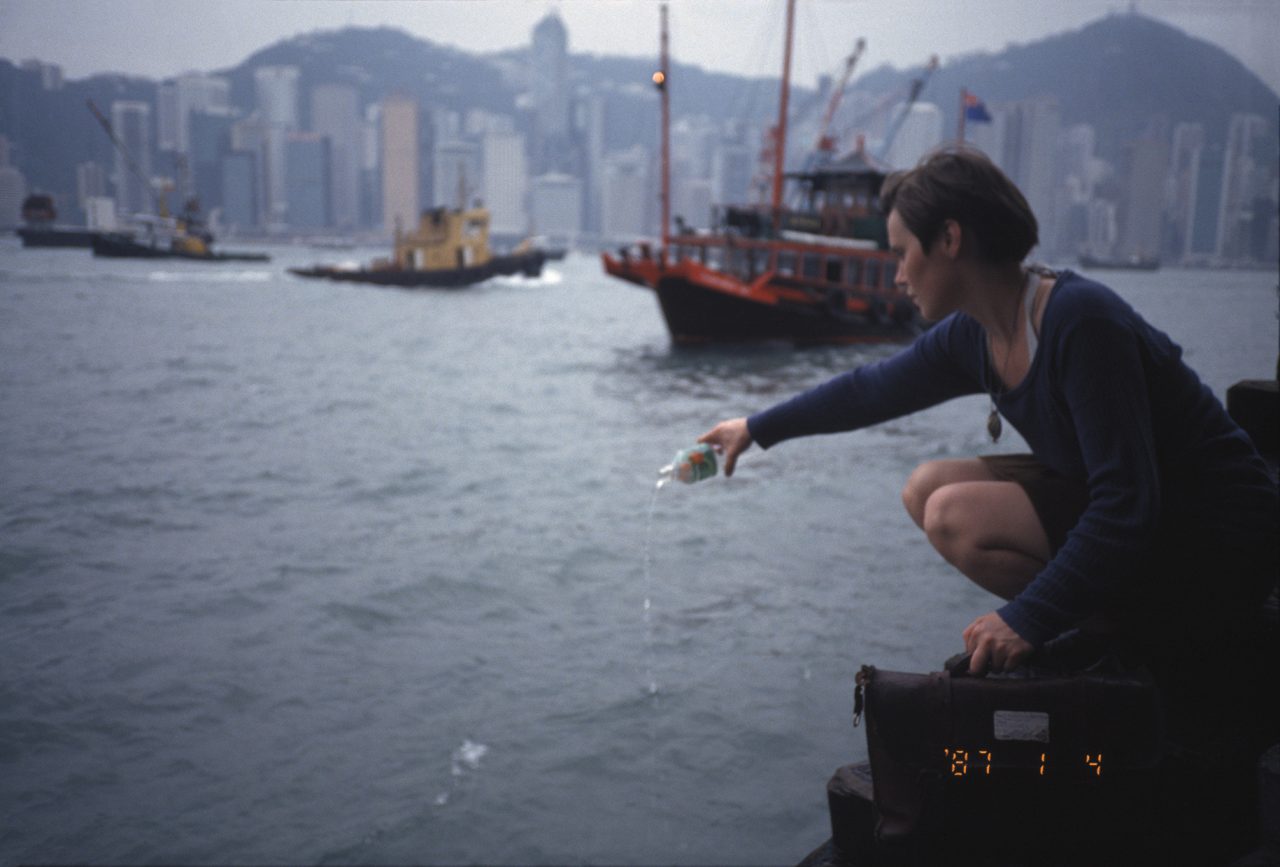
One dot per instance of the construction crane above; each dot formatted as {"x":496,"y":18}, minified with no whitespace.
{"x":826,"y":144}
{"x":156,"y":201}
{"x":917,"y":86}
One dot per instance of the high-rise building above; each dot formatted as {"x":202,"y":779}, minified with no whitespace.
{"x":401,"y":164}
{"x":556,"y":207}
{"x":307,"y":174}
{"x":13,"y":189}
{"x":1181,"y":187}
{"x":628,"y":196}
{"x":131,"y":124}
{"x":91,"y":183}
{"x":371,"y":166}
{"x":209,"y":141}
{"x":988,"y":137}
{"x":549,"y":70}
{"x":167,"y":116}
{"x":1243,"y":177}
{"x":247,"y":161}
{"x":335,"y":114}
{"x":1202,"y":245}
{"x":100,"y":213}
{"x":1147,"y":171}
{"x":920,"y":132}
{"x":455,"y":173}
{"x":506,"y":182}
{"x":276,"y":89}
{"x":1029,"y":158}
{"x":241,"y":208}
{"x":732,"y":165}
{"x":193,"y":93}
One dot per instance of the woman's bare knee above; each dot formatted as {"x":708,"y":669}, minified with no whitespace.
{"x":931,"y":476}
{"x":945,"y":520}
{"x":989,"y":532}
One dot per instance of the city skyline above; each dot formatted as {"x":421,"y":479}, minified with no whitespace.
{"x":544,"y":163}
{"x":162,"y":40}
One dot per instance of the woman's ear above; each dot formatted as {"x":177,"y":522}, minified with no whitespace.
{"x":950,"y":238}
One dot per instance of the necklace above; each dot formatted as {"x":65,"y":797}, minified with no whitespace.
{"x":994,"y":425}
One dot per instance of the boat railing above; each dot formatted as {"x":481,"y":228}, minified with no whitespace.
{"x":847,"y":264}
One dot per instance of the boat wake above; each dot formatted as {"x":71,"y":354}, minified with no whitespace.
{"x":549,"y":277}
{"x":257,"y":275}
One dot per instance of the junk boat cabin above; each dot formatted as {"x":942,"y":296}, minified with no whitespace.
{"x":820,"y":272}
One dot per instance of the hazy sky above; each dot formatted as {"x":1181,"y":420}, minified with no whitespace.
{"x":160,"y":38}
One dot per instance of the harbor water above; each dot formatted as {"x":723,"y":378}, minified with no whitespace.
{"x":304,"y":572}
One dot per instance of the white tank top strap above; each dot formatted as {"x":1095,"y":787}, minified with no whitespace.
{"x":1029,"y":301}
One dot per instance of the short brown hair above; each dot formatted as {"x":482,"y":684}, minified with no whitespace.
{"x":960,"y":183}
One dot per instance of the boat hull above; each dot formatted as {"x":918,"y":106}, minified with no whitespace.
{"x":55,"y":236}
{"x":125,"y":247}
{"x":527,"y":264}
{"x":698,"y":313}
{"x":703,"y":305}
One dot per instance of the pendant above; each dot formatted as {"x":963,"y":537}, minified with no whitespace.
{"x":994,"y":427}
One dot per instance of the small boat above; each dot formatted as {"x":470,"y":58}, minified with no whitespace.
{"x":1129,"y":263}
{"x":815,"y":270}
{"x":449,"y":249}
{"x":41,"y":228}
{"x":166,"y":238}
{"x":160,"y":236}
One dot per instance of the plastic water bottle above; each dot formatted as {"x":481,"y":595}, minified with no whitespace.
{"x":690,"y":465}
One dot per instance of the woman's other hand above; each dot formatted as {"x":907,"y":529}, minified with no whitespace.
{"x":730,"y":438}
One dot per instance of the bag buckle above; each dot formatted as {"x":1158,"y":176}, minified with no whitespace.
{"x":860,"y":680}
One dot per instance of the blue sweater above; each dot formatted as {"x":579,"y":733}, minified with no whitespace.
{"x":1107,"y":401}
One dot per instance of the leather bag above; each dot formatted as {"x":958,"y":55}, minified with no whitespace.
{"x":1038,"y":762}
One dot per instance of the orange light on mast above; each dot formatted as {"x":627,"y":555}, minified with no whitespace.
{"x":659,"y":80}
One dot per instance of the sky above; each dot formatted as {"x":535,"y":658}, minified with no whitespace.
{"x":162,"y":38}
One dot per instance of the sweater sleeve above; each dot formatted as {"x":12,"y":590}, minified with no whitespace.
{"x":938,"y":366}
{"x":1107,"y":396}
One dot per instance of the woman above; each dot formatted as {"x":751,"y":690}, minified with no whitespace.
{"x":1143,"y":503}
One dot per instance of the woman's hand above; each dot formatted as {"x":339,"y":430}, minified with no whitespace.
{"x":730,"y":438}
{"x":991,"y":643}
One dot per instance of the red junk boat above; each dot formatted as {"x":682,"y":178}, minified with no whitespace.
{"x":817,"y":272}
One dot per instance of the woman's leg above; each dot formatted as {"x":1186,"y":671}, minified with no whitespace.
{"x":988,"y":529}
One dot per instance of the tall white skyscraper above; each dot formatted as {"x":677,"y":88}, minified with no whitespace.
{"x":335,"y":114}
{"x":549,"y":82}
{"x":629,"y":207}
{"x":400,"y":163}
{"x":13,"y":189}
{"x":1243,"y":183}
{"x":455,"y":173}
{"x":732,"y":166}
{"x":506,"y":185}
{"x":1030,"y":153}
{"x":1181,"y":188}
{"x":131,"y":123}
{"x":919,"y":133}
{"x":276,"y":88}
{"x":556,"y":206}
{"x":193,"y":92}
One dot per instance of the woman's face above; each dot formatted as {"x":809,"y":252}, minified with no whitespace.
{"x":927,"y":278}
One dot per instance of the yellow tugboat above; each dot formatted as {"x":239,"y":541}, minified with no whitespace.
{"x":449,"y":249}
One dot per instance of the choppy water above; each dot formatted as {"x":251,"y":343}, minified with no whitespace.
{"x":301,"y":572}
